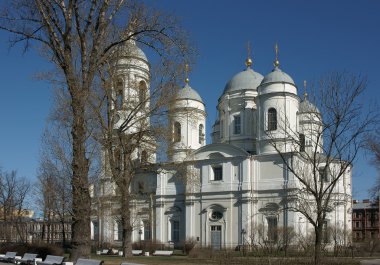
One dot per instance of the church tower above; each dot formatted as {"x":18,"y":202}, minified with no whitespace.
{"x":131,"y":95}
{"x":278,"y":106}
{"x":310,"y":126}
{"x":187,"y":118}
{"x":237,"y":110}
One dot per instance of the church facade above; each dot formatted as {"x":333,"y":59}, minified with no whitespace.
{"x":238,"y":189}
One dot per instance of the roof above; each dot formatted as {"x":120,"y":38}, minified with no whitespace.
{"x":130,"y":49}
{"x":247,"y":79}
{"x":188,"y":93}
{"x":365,"y":205}
{"x":277,"y":76}
{"x":307,"y":106}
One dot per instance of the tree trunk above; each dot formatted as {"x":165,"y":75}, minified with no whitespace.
{"x":127,"y":227}
{"x":80,"y":189}
{"x":318,"y":244}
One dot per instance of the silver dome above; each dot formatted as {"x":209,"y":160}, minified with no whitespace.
{"x":247,"y":79}
{"x":188,"y":93}
{"x":277,"y":76}
{"x":307,"y":107}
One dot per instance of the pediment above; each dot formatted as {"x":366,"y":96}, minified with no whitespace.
{"x":217,"y":151}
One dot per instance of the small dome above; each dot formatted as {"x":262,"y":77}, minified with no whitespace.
{"x":130,"y":49}
{"x":277,"y":76}
{"x":307,"y":107}
{"x":247,"y":79}
{"x":188,"y":93}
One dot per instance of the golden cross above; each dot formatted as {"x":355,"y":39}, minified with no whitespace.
{"x":187,"y":73}
{"x":276,"y":61}
{"x":304,"y":93}
{"x":248,"y":61}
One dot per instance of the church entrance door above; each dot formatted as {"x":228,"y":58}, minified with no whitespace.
{"x":216,"y":236}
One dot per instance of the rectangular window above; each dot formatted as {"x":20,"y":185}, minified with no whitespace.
{"x":237,"y":124}
{"x":324,"y":174}
{"x":218,"y":172}
{"x":175,"y":231}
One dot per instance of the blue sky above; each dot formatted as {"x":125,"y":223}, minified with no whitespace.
{"x":314,"y":37}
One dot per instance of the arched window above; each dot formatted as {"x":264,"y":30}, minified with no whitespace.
{"x":302,"y":142}
{"x":201,"y":134}
{"x":119,"y":87}
{"x":142,"y":92}
{"x":272,"y":119}
{"x":177,"y":132}
{"x":144,"y":157}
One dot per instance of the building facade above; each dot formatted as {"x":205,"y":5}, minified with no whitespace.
{"x":237,"y":189}
{"x":365,"y":220}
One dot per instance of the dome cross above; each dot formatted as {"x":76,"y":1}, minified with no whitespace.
{"x":276,"y":62}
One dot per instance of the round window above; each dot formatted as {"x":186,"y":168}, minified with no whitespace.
{"x":215,"y":215}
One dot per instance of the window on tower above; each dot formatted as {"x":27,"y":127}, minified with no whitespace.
{"x":272,"y":119}
{"x":142,"y":92}
{"x":201,"y":135}
{"x":119,"y":93}
{"x":218,"y":172}
{"x":237,"y":124}
{"x":302,"y":142}
{"x":177,"y":132}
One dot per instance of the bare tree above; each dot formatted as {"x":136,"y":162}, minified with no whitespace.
{"x":78,"y":37}
{"x":319,"y":155}
{"x":13,"y":192}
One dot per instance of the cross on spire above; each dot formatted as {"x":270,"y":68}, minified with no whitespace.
{"x":276,"y":62}
{"x":248,"y":61}
{"x":187,"y":70}
{"x":304,"y":87}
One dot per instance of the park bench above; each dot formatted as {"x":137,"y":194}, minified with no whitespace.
{"x":163,"y":253}
{"x":51,"y":260}
{"x":89,"y":262}
{"x":8,"y":257}
{"x":28,"y":259}
{"x":137,"y":252}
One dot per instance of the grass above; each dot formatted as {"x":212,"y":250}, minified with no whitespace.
{"x":223,"y":260}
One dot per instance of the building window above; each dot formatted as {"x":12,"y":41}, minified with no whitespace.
{"x":201,"y":135}
{"x":177,"y":132}
{"x":144,"y":157}
{"x":221,"y":130}
{"x":218,"y":172}
{"x":272,"y":119}
{"x":216,"y":215}
{"x":237,"y":124}
{"x":118,"y":231}
{"x":324,"y":174}
{"x":147,"y":234}
{"x":142,"y":92}
{"x":325,"y":232}
{"x":175,"y":231}
{"x":119,"y":87}
{"x":302,"y":142}
{"x":272,"y":228}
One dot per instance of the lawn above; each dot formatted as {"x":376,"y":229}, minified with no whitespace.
{"x":223,"y":259}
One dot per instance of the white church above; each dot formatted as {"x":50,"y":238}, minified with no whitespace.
{"x":237,"y":189}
